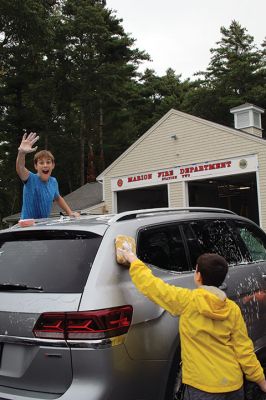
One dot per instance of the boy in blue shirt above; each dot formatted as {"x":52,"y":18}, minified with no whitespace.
{"x":40,"y":189}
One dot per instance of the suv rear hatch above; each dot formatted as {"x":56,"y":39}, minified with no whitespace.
{"x":40,"y":271}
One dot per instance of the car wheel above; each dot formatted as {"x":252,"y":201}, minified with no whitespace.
{"x":175,"y":388}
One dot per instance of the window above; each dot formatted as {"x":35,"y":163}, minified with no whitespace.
{"x":254,"y":241}
{"x":211,"y":236}
{"x":163,"y":247}
{"x":57,"y":261}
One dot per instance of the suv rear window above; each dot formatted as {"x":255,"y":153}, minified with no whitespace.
{"x":56,"y":261}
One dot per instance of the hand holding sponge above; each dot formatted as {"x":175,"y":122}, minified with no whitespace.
{"x":125,"y":249}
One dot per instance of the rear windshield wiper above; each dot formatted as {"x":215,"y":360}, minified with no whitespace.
{"x":18,"y":286}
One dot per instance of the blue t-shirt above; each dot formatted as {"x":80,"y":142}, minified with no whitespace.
{"x":38,"y":197}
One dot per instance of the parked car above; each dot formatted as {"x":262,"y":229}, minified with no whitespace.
{"x":72,"y":324}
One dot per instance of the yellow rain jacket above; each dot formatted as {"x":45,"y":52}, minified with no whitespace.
{"x":215,"y":347}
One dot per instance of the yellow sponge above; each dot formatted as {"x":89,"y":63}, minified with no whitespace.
{"x":119,"y":240}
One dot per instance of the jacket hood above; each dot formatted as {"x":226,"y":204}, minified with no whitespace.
{"x":212,"y":302}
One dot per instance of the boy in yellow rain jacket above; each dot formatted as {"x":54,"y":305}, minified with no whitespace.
{"x":215,"y":348}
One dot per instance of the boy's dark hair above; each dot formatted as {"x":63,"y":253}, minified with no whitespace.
{"x":43,"y":154}
{"x":213,"y":269}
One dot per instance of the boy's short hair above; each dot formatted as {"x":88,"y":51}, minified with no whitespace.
{"x":213,"y":269}
{"x":43,"y":154}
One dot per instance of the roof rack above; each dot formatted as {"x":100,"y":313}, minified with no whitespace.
{"x":164,"y":210}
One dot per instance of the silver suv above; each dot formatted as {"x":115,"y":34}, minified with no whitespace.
{"x":73,"y":326}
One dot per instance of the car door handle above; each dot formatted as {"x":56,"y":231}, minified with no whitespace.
{"x":223,"y":286}
{"x":264,"y":276}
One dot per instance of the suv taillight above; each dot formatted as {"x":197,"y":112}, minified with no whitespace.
{"x":97,"y":324}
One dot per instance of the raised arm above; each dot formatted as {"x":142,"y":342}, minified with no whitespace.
{"x":172,"y":298}
{"x":25,"y":147}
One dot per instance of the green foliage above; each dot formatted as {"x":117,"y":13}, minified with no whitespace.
{"x":25,"y":35}
{"x":235,"y":75}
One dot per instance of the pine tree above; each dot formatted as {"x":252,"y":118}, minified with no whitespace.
{"x":234,"y":76}
{"x":99,"y":65}
{"x":25,"y":38}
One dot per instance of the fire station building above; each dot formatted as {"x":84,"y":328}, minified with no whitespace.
{"x":186,"y":161}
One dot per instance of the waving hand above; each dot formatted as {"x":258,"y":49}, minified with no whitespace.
{"x":27,"y":142}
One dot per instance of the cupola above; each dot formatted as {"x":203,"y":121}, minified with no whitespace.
{"x":247,"y":117}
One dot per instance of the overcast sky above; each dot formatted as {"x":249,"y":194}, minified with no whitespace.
{"x":179,"y":34}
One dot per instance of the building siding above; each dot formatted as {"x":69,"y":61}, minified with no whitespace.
{"x":97,"y":209}
{"x":176,"y":195}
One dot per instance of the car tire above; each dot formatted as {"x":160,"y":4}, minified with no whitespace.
{"x":175,"y":388}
